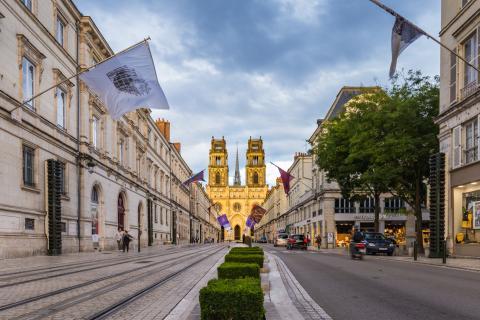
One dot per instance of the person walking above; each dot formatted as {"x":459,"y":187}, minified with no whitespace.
{"x":119,"y":238}
{"x":126,"y":240}
{"x":318,"y":239}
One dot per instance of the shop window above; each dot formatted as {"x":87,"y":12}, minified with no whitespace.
{"x":367,"y":205}
{"x":343,"y":205}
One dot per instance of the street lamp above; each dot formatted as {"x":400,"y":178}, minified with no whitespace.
{"x":90,"y":166}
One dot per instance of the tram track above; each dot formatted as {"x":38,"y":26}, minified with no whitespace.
{"x":105,"y":313}
{"x":92,"y":266}
{"x":52,"y":309}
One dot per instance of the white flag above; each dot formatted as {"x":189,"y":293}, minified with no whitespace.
{"x":127,"y":82}
{"x":403,"y":34}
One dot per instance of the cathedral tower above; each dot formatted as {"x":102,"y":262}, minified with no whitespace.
{"x":218,"y":166}
{"x":255,"y":168}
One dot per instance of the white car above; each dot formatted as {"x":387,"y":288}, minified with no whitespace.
{"x":280,"y":240}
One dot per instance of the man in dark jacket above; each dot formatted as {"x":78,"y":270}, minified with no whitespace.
{"x":126,"y":240}
{"x":357,"y":238}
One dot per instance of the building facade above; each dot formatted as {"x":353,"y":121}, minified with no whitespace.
{"x":315,"y":205}
{"x":459,"y":124}
{"x":123,"y":174}
{"x":204,"y":216}
{"x":273,"y":222}
{"x":236,"y":200}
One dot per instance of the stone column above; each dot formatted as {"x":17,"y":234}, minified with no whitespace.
{"x":329,"y":221}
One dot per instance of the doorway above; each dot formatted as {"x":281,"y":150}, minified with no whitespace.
{"x":121,"y":212}
{"x":237,"y":232}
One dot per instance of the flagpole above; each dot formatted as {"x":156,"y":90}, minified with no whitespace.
{"x":77,"y":74}
{"x":294,"y":177}
{"x":395,"y":14}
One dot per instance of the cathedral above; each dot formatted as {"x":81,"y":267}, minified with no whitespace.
{"x":236,"y":200}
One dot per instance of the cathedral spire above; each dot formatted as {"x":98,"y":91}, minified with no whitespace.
{"x":237,"y":181}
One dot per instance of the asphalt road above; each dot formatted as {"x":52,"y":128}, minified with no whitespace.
{"x":383,"y":289}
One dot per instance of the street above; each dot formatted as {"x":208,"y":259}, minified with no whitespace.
{"x":377,"y":288}
{"x":111,"y":285}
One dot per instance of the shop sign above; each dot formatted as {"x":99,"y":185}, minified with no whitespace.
{"x":330,"y":237}
{"x":95,"y":238}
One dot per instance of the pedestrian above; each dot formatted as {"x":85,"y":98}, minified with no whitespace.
{"x":126,"y":240}
{"x":318,"y":239}
{"x":119,"y":238}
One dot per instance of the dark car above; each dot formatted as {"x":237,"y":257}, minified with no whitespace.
{"x":296,"y":241}
{"x":378,"y":243}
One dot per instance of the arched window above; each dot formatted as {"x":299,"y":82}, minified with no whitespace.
{"x":217,"y":178}
{"x":94,"y":196}
{"x":255,"y":178}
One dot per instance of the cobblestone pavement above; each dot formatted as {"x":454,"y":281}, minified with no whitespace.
{"x":79,"y":286}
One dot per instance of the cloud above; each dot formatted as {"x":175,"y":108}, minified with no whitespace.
{"x":265,"y":68}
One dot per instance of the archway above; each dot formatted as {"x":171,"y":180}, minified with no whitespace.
{"x":121,"y":211}
{"x":237,"y":232}
{"x":95,"y":215}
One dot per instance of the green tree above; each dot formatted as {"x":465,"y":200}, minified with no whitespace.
{"x":411,"y":138}
{"x":348,"y":149}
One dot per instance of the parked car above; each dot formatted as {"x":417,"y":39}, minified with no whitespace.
{"x":281,"y":240}
{"x":377,"y":243}
{"x":262,"y":239}
{"x":296,"y":241}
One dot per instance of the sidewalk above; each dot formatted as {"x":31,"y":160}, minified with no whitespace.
{"x":285,"y":298}
{"x":44,"y":260}
{"x":471,"y":264}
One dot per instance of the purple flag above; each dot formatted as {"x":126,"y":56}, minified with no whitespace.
{"x":223,"y":221}
{"x":196,"y":177}
{"x":250,"y":222}
{"x":286,"y":178}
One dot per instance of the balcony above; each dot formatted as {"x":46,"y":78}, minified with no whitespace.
{"x":469,"y":89}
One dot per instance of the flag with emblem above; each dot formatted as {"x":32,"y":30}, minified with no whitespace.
{"x":127,"y":82}
{"x":403,"y":34}
{"x":196,"y":177}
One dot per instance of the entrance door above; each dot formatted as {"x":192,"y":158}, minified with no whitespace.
{"x":140,"y":225}
{"x":222,"y":234}
{"x":121,"y":212}
{"x":237,"y":232}
{"x":150,"y":222}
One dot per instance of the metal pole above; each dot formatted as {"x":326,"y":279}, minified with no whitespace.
{"x":415,"y":251}
{"x":444,"y":260}
{"x":395,"y":14}
{"x":77,"y":74}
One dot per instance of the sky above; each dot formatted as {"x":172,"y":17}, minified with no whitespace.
{"x":266,"y":68}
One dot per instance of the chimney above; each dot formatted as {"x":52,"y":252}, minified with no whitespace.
{"x":177,"y":146}
{"x":164,"y":127}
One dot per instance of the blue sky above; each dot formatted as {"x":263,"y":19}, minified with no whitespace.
{"x":265,"y":68}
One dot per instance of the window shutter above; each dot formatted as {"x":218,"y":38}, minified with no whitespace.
{"x":453,"y":76}
{"x":457,"y":146}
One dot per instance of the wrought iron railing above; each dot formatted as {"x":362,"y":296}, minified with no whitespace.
{"x":469,"y":89}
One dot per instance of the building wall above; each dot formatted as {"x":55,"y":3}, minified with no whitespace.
{"x":459,"y":109}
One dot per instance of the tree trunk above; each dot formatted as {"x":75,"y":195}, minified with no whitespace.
{"x":418,"y":216}
{"x":377,"y":211}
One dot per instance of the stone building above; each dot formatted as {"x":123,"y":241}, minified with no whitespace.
{"x":459,"y":124}
{"x":123,"y":174}
{"x":203,"y":223}
{"x":274,"y":220}
{"x":236,"y":200}
{"x":38,"y":48}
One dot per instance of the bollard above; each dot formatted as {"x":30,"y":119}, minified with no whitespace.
{"x":444,"y":257}
{"x":415,"y":251}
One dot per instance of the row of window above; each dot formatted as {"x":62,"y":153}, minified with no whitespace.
{"x":465,"y":143}
{"x":60,"y":23}
{"x":392,"y":204}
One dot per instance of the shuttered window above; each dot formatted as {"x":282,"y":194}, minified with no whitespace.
{"x":453,"y":77}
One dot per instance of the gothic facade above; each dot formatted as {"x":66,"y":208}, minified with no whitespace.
{"x":236,"y":200}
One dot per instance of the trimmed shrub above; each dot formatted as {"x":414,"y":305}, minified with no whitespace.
{"x":235,"y":270}
{"x":242,"y":250}
{"x":232,"y":299}
{"x":245,"y":258}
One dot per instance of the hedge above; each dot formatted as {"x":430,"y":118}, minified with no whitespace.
{"x":236,"y":270}
{"x":232,"y":299}
{"x":243,"y":250}
{"x":245,"y":258}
